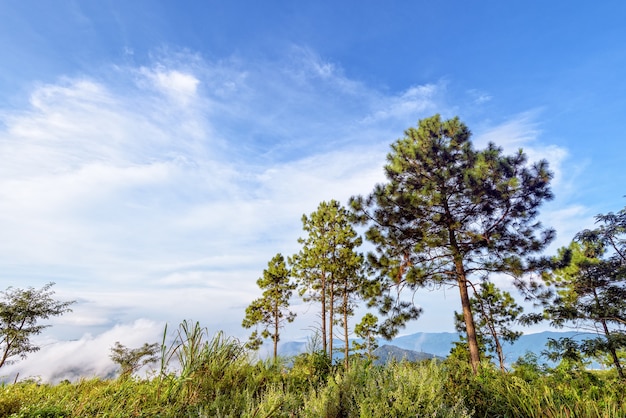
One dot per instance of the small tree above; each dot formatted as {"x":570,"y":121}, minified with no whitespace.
{"x":270,"y":309}
{"x":132,"y":359}
{"x":20,"y":312}
{"x":348,"y":279}
{"x":367,"y":329}
{"x":591,"y":295}
{"x":495,"y":312}
{"x":569,"y":353}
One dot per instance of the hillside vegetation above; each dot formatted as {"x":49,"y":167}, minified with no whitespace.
{"x":218,"y":379}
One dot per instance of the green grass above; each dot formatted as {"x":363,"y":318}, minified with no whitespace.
{"x":244,"y":389}
{"x":216,"y":378}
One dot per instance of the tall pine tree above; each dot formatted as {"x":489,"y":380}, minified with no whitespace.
{"x":328,"y":268}
{"x":449,"y":213}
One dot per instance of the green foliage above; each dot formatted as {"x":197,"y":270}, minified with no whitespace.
{"x":566,"y":350}
{"x":311,"y":369}
{"x":496,"y":312}
{"x":228,"y":385}
{"x":535,"y":392}
{"x":269,"y":311}
{"x":20,"y":312}
{"x":328,"y":268}
{"x":42,"y":412}
{"x":449,"y":212}
{"x":132,"y":359}
{"x":397,"y":390}
{"x":367,"y":329}
{"x":527,"y":367}
{"x":590,"y":283}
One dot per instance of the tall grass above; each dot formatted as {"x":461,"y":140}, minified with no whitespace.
{"x":396,"y":390}
{"x":203,"y":376}
{"x":553,"y":393}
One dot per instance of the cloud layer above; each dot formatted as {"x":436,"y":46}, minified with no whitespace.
{"x":82,"y":358}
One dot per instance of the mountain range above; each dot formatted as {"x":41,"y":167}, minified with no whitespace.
{"x":428,"y":345}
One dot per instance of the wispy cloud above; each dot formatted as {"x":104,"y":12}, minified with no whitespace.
{"x":414,"y":101}
{"x":479,"y":97}
{"x":179,"y":86}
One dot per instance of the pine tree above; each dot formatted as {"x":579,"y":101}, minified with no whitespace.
{"x":349,"y":279}
{"x":367,"y":330}
{"x":270,"y":310}
{"x":495,"y":311}
{"x":448,"y":213}
{"x":591,"y":290}
{"x":328,"y":268}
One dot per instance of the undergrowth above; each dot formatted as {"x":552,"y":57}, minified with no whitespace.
{"x":216,"y":378}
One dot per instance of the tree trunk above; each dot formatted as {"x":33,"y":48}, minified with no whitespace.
{"x":494,"y":335}
{"x":499,"y":352}
{"x":5,"y":354}
{"x":276,"y":324}
{"x":323,"y":302}
{"x":470,"y":328}
{"x":346,"y":349}
{"x":331,"y":315}
{"x":607,"y":334}
{"x":614,"y":356}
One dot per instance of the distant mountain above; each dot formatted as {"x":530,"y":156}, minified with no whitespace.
{"x":439,"y":344}
{"x":387,"y":353}
{"x":291,"y":348}
{"x":536,"y":343}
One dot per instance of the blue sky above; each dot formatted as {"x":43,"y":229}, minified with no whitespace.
{"x":155,"y":155}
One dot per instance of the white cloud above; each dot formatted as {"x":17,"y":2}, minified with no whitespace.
{"x":85,"y":357}
{"x":179,"y":86}
{"x":515,"y":132}
{"x":522,"y":132}
{"x":414,"y":101}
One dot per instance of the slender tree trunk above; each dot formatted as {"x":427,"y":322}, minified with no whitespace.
{"x":323,"y":301}
{"x":5,"y":354}
{"x":494,"y":335}
{"x":498,"y":350}
{"x":276,"y":324}
{"x":470,"y":328}
{"x":607,"y":334}
{"x":346,"y":348}
{"x":331,"y":315}
{"x":614,"y":356}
